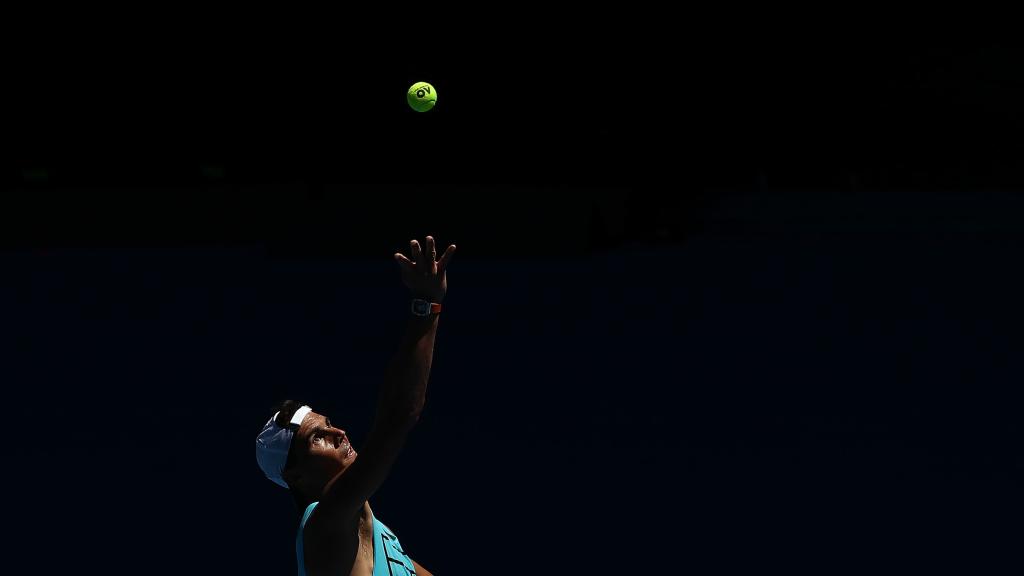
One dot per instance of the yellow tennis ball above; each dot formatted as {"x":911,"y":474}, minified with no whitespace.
{"x":422,"y":96}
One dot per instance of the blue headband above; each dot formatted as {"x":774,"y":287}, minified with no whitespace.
{"x":273,"y":443}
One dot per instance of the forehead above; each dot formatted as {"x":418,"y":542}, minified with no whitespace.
{"x":311,"y":422}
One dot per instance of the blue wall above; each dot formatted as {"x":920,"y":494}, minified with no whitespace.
{"x":810,"y":396}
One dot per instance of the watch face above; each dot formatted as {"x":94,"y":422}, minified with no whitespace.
{"x":420,"y":307}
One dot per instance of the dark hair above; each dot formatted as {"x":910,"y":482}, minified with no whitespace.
{"x":285,"y":410}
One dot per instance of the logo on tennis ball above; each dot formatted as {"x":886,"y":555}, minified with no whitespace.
{"x":422,"y":96}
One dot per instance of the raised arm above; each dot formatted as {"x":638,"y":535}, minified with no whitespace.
{"x":403,"y":390}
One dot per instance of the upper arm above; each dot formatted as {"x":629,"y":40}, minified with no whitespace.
{"x":345,"y":494}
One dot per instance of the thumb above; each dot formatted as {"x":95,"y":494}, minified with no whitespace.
{"x":403,"y":262}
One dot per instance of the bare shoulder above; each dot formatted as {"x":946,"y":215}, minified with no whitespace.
{"x":330,"y":545}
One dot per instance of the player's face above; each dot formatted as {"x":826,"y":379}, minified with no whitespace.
{"x":325,"y":449}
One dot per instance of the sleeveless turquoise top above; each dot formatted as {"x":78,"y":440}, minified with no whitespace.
{"x":388,"y":557}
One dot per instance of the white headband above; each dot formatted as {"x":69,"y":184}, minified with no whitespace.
{"x":273,"y":443}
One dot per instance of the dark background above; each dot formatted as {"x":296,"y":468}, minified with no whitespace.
{"x":729,"y":298}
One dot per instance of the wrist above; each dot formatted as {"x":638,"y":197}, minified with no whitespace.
{"x":428,"y":297}
{"x":424,"y":307}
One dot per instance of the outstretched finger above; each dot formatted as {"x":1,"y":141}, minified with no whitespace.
{"x":431,"y":249}
{"x":443,"y":263}
{"x":416,"y":251}
{"x":404,"y":262}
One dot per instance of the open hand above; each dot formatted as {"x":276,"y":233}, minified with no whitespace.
{"x":424,"y":274}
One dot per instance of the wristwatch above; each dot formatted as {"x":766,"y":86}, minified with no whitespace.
{"x":425,"y":308}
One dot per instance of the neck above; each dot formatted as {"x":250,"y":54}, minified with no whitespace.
{"x":302,"y":500}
